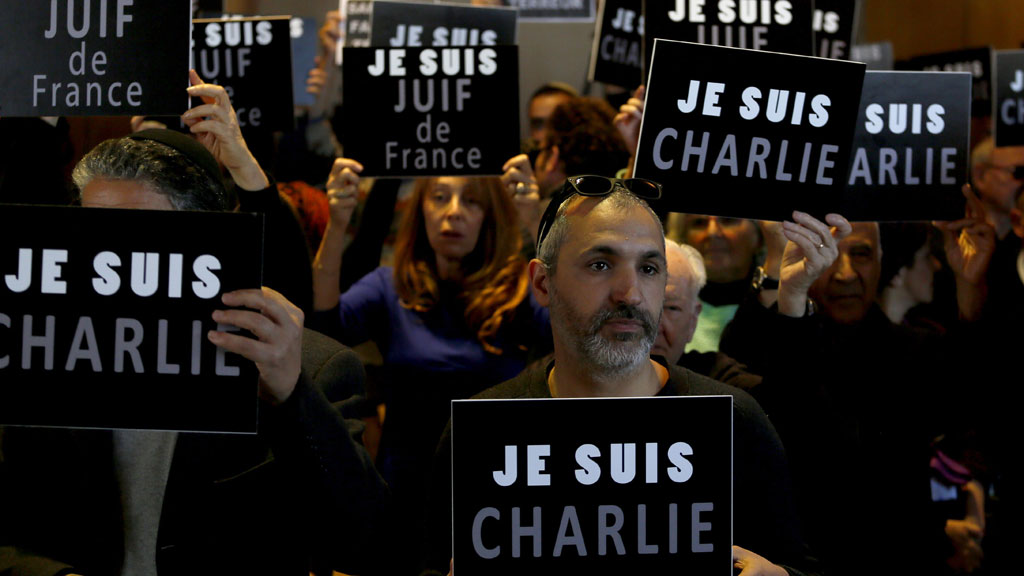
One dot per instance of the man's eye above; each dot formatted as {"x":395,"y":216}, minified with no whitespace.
{"x":673,"y":308}
{"x":599,"y":266}
{"x":650,"y":270}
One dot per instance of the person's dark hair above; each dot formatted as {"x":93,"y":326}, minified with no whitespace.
{"x":587,"y":139}
{"x":900,"y":241}
{"x":168,"y":171}
{"x":554,"y":88}
{"x":621,"y":199}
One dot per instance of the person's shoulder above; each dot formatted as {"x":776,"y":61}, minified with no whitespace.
{"x":686,"y":382}
{"x":335,"y":368}
{"x":530,"y":383}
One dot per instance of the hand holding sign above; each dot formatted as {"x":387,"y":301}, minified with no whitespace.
{"x":216,"y":126}
{"x":969,"y":244}
{"x":751,"y":564}
{"x":811,"y":250}
{"x":342,"y":186}
{"x":628,"y":122}
{"x":277,"y":348}
{"x":519,"y":180}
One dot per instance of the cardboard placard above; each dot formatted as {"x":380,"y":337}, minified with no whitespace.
{"x":548,"y":487}
{"x":977,"y":61}
{"x":910,"y":150}
{"x":877,"y":56}
{"x":833,"y":28}
{"x":415,"y":24}
{"x":617,"y":55}
{"x":749,"y":134}
{"x":104,"y":315}
{"x":1008,"y":106}
{"x":305,"y":40}
{"x":112,"y":58}
{"x":252,"y":59}
{"x":774,"y":25}
{"x":357,"y":23}
{"x":432,"y":111}
{"x":553,"y":10}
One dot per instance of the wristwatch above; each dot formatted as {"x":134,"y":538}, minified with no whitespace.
{"x":764,"y":282}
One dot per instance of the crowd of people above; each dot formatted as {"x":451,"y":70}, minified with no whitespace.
{"x":867,"y":362}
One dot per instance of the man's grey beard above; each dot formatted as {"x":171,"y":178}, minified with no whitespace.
{"x":626,"y":350}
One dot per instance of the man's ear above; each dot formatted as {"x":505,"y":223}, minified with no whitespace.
{"x":539,"y":282}
{"x":553,"y":160}
{"x":1017,"y":218}
{"x":694,"y":319}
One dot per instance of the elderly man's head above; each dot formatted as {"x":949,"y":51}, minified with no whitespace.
{"x":997,"y":174}
{"x":154,"y":169}
{"x":686,"y":276}
{"x":849,"y":288}
{"x":730,"y":246}
{"x":602,"y":272}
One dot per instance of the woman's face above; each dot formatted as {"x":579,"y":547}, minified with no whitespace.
{"x":920,"y":276}
{"x":453,"y":213}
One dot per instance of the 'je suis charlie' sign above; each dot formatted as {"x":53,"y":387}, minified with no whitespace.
{"x":910,"y":148}
{"x":104,"y":315}
{"x":93,"y":58}
{"x":548,"y":486}
{"x":747,"y":133}
{"x":1008,"y":105}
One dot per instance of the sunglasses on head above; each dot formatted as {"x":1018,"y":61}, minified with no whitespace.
{"x":593,"y":185}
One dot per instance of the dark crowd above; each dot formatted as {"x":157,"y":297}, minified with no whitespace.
{"x":871,"y":364}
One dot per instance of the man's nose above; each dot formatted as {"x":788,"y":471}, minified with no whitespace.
{"x":627,"y":287}
{"x":714,"y":228}
{"x":844,"y":271}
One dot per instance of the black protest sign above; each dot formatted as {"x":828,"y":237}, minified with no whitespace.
{"x":909,"y":155}
{"x":357,"y":23}
{"x":104,"y":315}
{"x":252,"y":59}
{"x":99,"y":58}
{"x":1008,"y":106}
{"x":414,"y":24}
{"x":616,"y":57}
{"x":743,"y":133}
{"x":431,"y":111}
{"x":304,"y":49}
{"x":833,"y":28}
{"x":977,"y":61}
{"x":877,"y":55}
{"x":548,"y":487}
{"x":773,"y":25}
{"x":553,"y":10}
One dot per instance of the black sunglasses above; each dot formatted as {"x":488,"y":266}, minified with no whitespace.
{"x":593,"y":185}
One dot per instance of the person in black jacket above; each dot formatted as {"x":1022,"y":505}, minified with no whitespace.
{"x":299,"y":496}
{"x":601,"y":272}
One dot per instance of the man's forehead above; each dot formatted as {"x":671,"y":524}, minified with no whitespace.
{"x":863,"y":233}
{"x":108,"y":193}
{"x":596,"y":224}
{"x":1008,"y":156}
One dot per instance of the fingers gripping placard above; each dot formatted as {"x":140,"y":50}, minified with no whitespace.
{"x":745,"y":133}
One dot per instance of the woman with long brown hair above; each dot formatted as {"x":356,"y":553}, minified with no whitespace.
{"x":453,"y":317}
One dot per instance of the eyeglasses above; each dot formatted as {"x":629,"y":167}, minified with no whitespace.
{"x":593,"y":185}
